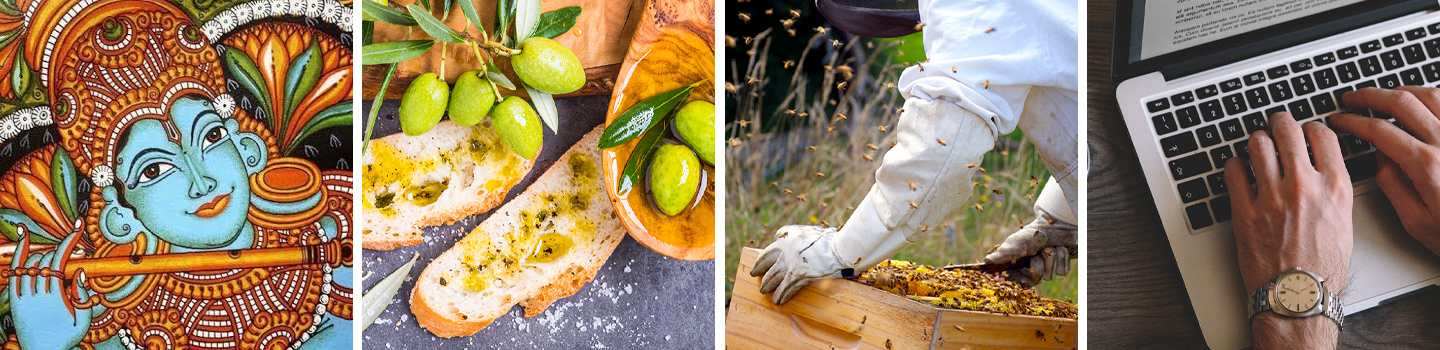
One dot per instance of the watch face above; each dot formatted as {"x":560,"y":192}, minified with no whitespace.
{"x":1297,"y":292}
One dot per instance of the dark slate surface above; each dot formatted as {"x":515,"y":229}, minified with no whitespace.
{"x":639,"y":299}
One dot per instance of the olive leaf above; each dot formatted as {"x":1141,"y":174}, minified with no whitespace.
{"x":445,"y":5}
{"x":504,"y":12}
{"x":557,"y":22}
{"x":468,"y":7}
{"x":634,"y":167}
{"x":375,"y":107}
{"x":395,"y":51}
{"x":387,"y":14}
{"x":433,"y":26}
{"x":367,"y":32}
{"x":545,"y":105}
{"x":642,"y":116}
{"x":527,"y":13}
{"x":499,"y":79}
{"x":379,"y":296}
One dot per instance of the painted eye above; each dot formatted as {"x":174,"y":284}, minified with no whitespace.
{"x":154,"y":170}
{"x":214,"y":135}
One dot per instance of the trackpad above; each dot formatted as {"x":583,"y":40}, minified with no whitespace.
{"x":1386,"y":258}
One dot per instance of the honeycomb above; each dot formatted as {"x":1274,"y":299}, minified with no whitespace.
{"x":964,"y":290}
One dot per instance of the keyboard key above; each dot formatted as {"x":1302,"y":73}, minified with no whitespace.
{"x":1211,"y":111}
{"x":1182,"y":98}
{"x":1277,"y":72}
{"x":1412,"y":76}
{"x":1365,"y":84}
{"x":1209,"y":135}
{"x":1414,"y":54}
{"x":1324,"y":59}
{"x":1270,"y":113}
{"x":1300,"y":109}
{"x":1164,"y":123}
{"x":1242,"y":149}
{"x":1221,"y":206}
{"x":1234,"y":104}
{"x":1188,"y":117}
{"x":1347,"y":72}
{"x":1434,"y":28}
{"x":1219,"y":155}
{"x":1303,"y":84}
{"x":1254,"y":122}
{"x":1231,"y":129}
{"x":1370,"y":66}
{"x":1392,"y":60}
{"x":1347,"y":53}
{"x":1323,"y":103}
{"x":1217,"y":182}
{"x":1199,"y":216}
{"x":1393,"y":40}
{"x":1157,"y":105}
{"x":1361,"y":167}
{"x":1325,"y":78}
{"x":1431,"y":71}
{"x":1340,"y":95}
{"x":1432,"y":48}
{"x":1415,"y":34}
{"x":1257,"y":98}
{"x":1206,"y":91}
{"x":1370,"y":46}
{"x":1301,"y":65}
{"x":1254,"y":78}
{"x":1356,"y":144}
{"x":1178,"y":144}
{"x":1230,"y":85}
{"x":1388,"y":81}
{"x":1280,"y":91}
{"x":1193,"y":190}
{"x":1190,"y":166}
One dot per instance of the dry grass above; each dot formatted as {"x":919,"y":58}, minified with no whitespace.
{"x":818,"y":152}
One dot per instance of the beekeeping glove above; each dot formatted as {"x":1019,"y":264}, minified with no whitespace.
{"x":1047,"y":241}
{"x":923,"y":180}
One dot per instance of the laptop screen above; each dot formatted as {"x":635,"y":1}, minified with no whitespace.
{"x":1182,"y":37}
{"x":1165,"y":26}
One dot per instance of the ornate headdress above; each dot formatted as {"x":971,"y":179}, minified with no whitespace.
{"x":110,"y":63}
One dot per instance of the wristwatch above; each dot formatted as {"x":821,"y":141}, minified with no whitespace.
{"x":1297,"y":293}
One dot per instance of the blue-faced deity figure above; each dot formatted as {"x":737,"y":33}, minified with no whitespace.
{"x":175,"y":131}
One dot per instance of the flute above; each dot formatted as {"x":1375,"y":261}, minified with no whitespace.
{"x":334,"y":252}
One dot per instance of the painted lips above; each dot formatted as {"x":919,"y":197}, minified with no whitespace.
{"x":214,"y":207}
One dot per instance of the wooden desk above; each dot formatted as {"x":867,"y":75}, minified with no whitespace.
{"x":1136,"y":298}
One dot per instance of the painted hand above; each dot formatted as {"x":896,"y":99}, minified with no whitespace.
{"x":799,"y":256}
{"x":44,"y":315}
{"x":1409,"y":171}
{"x":1046,"y":242}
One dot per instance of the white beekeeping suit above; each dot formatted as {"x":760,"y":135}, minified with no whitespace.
{"x":1014,"y":64}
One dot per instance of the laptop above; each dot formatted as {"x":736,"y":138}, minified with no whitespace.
{"x":1197,"y":77}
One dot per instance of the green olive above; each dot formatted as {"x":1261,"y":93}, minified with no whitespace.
{"x":518,"y":125}
{"x":696,"y":124}
{"x":423,"y":104}
{"x":674,"y":178}
{"x":548,"y":66}
{"x":472,"y":98}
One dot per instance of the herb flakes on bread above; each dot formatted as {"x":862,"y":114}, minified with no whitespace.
{"x":438,"y":178}
{"x":544,"y":245}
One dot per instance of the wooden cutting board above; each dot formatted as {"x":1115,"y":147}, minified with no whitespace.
{"x":599,"y":39}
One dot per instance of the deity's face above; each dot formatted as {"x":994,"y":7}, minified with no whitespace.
{"x":192,"y":192}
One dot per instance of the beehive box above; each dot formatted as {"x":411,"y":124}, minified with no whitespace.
{"x":843,"y":314}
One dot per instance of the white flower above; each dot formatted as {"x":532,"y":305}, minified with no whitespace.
{"x":225,"y":105}
{"x":102,"y":175}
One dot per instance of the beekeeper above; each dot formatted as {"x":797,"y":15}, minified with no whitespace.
{"x":993,"y":66}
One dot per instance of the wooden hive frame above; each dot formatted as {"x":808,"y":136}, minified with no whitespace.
{"x":844,"y":314}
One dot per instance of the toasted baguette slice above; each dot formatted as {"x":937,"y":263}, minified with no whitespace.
{"x":520,"y":255}
{"x":464,"y":170}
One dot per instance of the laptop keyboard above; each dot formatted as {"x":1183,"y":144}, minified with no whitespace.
{"x":1200,"y":126}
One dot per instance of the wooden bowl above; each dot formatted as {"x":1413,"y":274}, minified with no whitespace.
{"x":674,"y":46}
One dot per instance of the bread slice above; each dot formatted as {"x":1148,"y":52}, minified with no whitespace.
{"x":464,"y":170}
{"x":518,"y":255}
